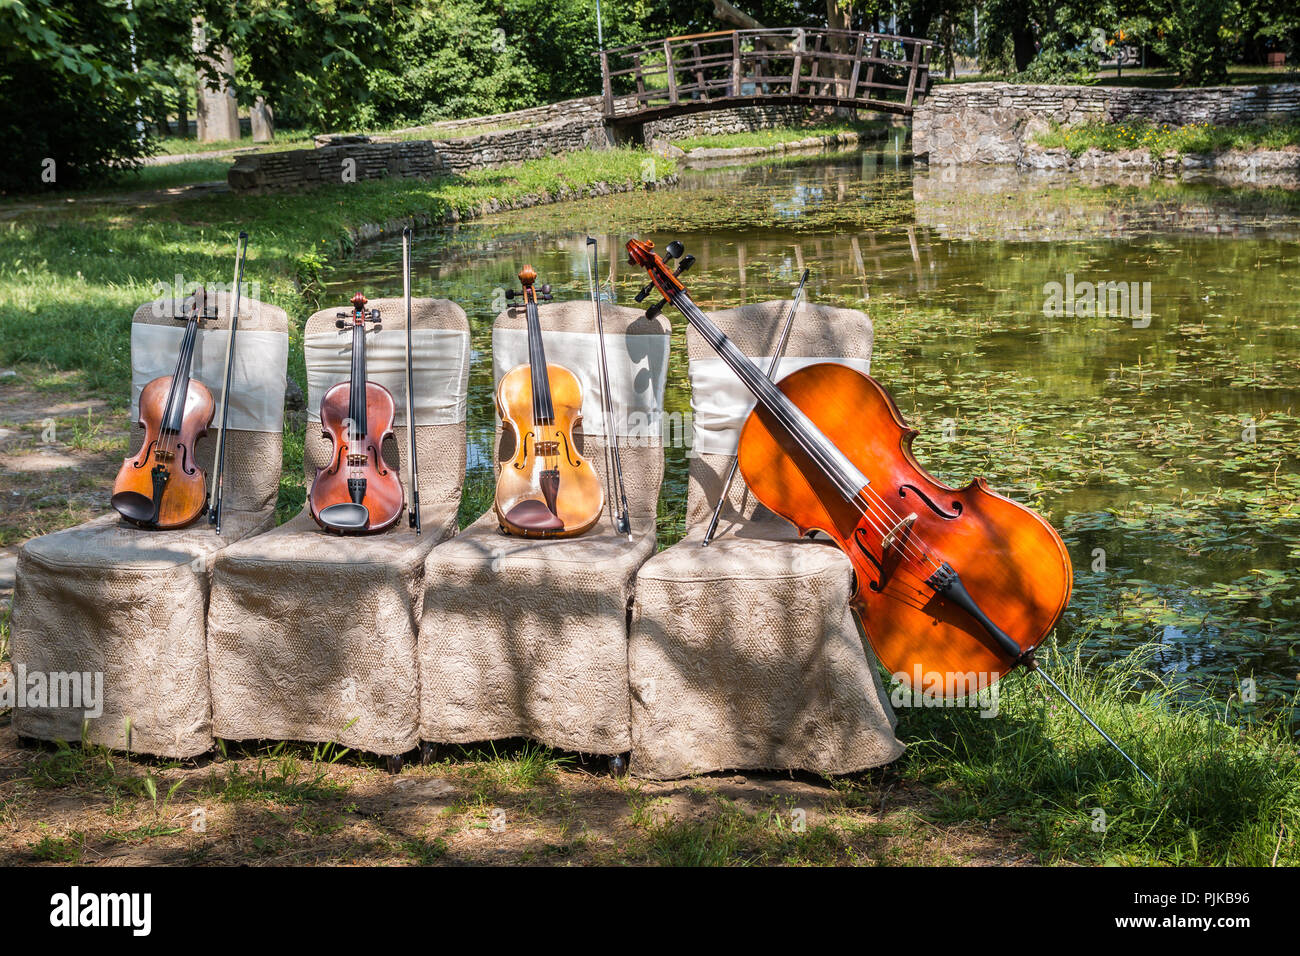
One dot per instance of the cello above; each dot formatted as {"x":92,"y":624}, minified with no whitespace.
{"x":546,"y":489}
{"x":163,"y":486}
{"x":954,"y":587}
{"x":357,"y":493}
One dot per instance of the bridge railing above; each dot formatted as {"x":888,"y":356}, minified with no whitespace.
{"x":872,"y":70}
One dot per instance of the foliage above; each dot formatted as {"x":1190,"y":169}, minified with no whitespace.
{"x":1192,"y":37}
{"x":67,"y":92}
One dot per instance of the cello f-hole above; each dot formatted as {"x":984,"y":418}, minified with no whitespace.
{"x":956,"y":505}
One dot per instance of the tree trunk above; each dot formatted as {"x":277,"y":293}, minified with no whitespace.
{"x":1022,"y":37}
{"x":182,"y":111}
{"x":724,"y":11}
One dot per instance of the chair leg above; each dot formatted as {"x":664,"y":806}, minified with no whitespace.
{"x":618,"y":765}
{"x":394,"y":763}
{"x":428,"y":752}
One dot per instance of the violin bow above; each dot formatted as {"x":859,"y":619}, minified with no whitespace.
{"x":777,"y":354}
{"x":413,"y":513}
{"x":618,"y":492}
{"x":219,"y":479}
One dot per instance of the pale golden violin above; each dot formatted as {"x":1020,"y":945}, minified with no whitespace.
{"x":546,"y":489}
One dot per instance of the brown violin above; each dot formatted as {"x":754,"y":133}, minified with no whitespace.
{"x":954,"y":587}
{"x":163,"y":486}
{"x":546,"y":489}
{"x":358,"y":493}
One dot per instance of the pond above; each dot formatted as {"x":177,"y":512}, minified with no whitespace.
{"x":1158,"y":431}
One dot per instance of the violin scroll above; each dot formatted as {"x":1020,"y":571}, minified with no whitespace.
{"x":527,"y":292}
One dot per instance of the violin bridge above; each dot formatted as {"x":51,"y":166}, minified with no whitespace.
{"x":357,"y":461}
{"x":547,"y":449}
{"x":895,"y":535}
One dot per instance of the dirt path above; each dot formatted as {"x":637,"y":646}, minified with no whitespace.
{"x":504,"y":806}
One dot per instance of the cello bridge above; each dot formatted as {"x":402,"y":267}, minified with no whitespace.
{"x":895,"y":535}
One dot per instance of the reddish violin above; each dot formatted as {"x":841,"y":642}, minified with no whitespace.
{"x":954,"y":587}
{"x":163,"y":486}
{"x":358,"y":493}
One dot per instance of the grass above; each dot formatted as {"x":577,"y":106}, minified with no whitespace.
{"x":1154,"y":78}
{"x":183,"y":145}
{"x":773,"y":137}
{"x":1227,"y":794}
{"x":1162,"y":138}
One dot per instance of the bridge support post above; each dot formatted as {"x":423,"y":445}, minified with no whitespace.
{"x":735,"y":63}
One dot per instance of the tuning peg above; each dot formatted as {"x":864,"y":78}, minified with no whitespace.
{"x":673,"y":250}
{"x":654,"y":310}
{"x":684,"y":264}
{"x":511,"y":293}
{"x":546,"y":288}
{"x":645,"y":291}
{"x":340,"y":323}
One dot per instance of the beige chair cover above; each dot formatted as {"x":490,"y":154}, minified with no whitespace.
{"x":311,"y":636}
{"x":744,"y":654}
{"x":109,"y":598}
{"x":525,"y":637}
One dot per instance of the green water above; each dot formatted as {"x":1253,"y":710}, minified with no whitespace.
{"x":1164,"y":445}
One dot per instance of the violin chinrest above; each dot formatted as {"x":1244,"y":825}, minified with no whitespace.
{"x":133,"y":506}
{"x":345,"y":517}
{"x":533,"y":515}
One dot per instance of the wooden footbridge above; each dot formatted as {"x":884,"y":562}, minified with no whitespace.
{"x":730,"y":68}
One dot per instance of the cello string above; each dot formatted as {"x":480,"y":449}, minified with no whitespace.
{"x":878,"y":514}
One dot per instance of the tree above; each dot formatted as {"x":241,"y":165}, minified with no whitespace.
{"x":70,"y":92}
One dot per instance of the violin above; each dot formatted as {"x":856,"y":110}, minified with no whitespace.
{"x":953,"y":587}
{"x":546,"y":489}
{"x":163,"y":485}
{"x":358,"y":493}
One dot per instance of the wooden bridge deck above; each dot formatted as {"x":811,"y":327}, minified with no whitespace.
{"x":708,"y":71}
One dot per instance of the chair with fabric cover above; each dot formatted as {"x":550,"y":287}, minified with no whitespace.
{"x":745,"y":654}
{"x":109,"y":598}
{"x":528,"y":637}
{"x":311,"y":635}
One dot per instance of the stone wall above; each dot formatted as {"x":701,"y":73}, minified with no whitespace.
{"x":743,"y":119}
{"x":420,"y":159}
{"x":993,"y":122}
{"x":525,"y":134}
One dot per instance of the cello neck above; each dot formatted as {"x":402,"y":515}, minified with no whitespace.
{"x":846,"y":476}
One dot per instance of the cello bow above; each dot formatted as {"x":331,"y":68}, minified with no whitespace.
{"x":219,"y":478}
{"x":777,"y":354}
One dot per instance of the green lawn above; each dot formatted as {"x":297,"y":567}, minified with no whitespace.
{"x":1161,"y":138}
{"x":1151,"y":77}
